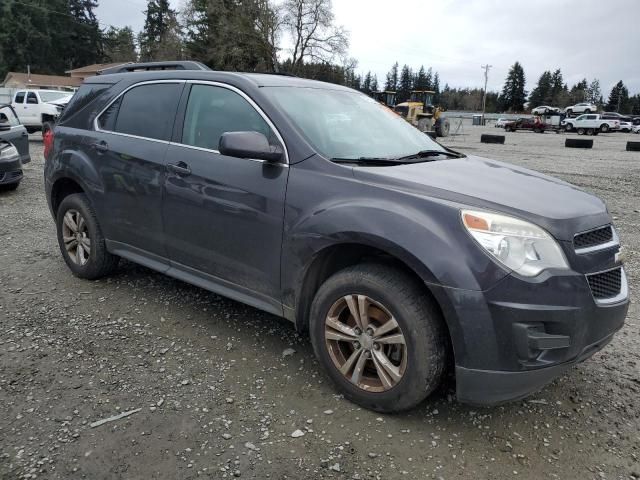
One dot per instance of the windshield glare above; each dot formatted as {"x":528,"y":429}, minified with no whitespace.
{"x":53,"y":96}
{"x":348,"y":124}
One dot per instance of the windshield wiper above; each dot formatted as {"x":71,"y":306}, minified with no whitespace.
{"x":430,"y":153}
{"x":379,"y":161}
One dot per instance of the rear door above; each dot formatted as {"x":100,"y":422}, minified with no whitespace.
{"x":128,"y":147}
{"x":223,"y":216}
{"x":17,"y":135}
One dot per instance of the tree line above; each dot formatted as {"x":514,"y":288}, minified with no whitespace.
{"x":249,"y":35}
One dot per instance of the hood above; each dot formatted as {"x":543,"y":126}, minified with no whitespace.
{"x":61,"y":102}
{"x":559,"y":207}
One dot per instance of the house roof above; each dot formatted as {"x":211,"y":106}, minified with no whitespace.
{"x":42,"y":80}
{"x":96,"y":67}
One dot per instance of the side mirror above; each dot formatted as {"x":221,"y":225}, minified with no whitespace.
{"x":249,"y":145}
{"x":4,"y":126}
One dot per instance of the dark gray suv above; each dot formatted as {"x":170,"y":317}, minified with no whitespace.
{"x":311,"y":201}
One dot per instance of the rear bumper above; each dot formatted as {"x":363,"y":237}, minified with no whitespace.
{"x":515,"y":338}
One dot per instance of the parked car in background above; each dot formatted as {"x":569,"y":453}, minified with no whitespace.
{"x":616,"y":116}
{"x":636,"y":129}
{"x":10,"y":166}
{"x":590,"y":124}
{"x":500,"y":123}
{"x":584,"y":107}
{"x":625,"y":127}
{"x":525,"y":123}
{"x":312,"y":201}
{"x":544,"y":110}
{"x":39,"y":109}
{"x":13,"y":132}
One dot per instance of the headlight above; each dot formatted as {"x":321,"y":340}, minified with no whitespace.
{"x":9,"y":153}
{"x":518,"y":245}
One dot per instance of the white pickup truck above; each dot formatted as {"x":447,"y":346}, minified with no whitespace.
{"x":39,"y":109}
{"x":590,"y":123}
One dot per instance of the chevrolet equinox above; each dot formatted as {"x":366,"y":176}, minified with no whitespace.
{"x":311,"y":201}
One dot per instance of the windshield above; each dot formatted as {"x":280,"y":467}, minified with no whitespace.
{"x":52,"y":96}
{"x":349,"y":125}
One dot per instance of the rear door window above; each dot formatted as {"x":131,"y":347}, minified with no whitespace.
{"x":212,"y":111}
{"x":145,"y":111}
{"x":20,"y":97}
{"x":32,"y":98}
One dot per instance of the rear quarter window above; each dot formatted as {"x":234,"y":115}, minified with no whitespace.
{"x":145,"y":111}
{"x":83,"y":97}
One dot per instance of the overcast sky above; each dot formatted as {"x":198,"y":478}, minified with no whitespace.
{"x":585,"y":38}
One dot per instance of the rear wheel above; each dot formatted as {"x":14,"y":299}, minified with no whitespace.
{"x":379,"y":337}
{"x":590,"y":131}
{"x":580,"y":131}
{"x":604,"y":127}
{"x":442,"y":127}
{"x":80,"y":239}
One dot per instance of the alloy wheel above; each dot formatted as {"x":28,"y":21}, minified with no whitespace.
{"x":75,"y":235}
{"x":365,"y":343}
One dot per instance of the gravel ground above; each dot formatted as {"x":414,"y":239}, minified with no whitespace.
{"x":220,"y":390}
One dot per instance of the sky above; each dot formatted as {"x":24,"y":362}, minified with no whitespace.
{"x":584,"y":38}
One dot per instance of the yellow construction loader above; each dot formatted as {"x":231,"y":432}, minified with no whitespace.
{"x":420,"y":112}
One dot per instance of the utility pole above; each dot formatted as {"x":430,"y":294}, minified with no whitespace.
{"x":484,"y":97}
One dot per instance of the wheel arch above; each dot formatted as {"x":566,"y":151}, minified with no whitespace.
{"x":333,"y":258}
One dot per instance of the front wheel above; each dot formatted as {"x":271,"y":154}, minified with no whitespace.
{"x":379,"y":337}
{"x":80,"y":239}
{"x":581,"y":131}
{"x":568,"y":127}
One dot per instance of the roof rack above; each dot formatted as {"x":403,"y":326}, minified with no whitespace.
{"x":148,"y":66}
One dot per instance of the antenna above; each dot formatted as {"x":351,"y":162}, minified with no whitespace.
{"x":484,"y":96}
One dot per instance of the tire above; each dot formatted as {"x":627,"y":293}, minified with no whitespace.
{"x":580,"y":131}
{"x":486,"y":138}
{"x":590,"y":131}
{"x":569,"y":112}
{"x":98,"y":262}
{"x":9,"y":187}
{"x":604,"y":128}
{"x":587,"y":110}
{"x":443,"y":127}
{"x":419,"y":323}
{"x":578,"y":143}
{"x":568,"y":127}
{"x":633,"y":146}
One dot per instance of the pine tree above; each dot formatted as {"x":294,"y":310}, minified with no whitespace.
{"x":513,"y":93}
{"x":392,"y":79}
{"x":406,"y":84}
{"x":161,"y":37}
{"x":420,"y":82}
{"x":436,"y":89}
{"x":85,"y":34}
{"x":374,"y":83}
{"x":619,"y":98}
{"x":119,"y":45}
{"x":540,"y":95}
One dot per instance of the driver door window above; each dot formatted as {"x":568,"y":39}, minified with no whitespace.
{"x":19,"y":97}
{"x":212,"y":111}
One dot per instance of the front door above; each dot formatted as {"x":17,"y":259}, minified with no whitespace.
{"x":129,"y":147}
{"x":223,"y":216}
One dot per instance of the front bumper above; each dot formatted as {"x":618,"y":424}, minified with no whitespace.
{"x":518,"y":336}
{"x":10,"y":171}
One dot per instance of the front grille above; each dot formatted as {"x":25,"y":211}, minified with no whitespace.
{"x":606,"y":284}
{"x":593,"y":237}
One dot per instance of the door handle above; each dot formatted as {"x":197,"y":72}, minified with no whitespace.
{"x":100,"y":147}
{"x":25,"y":134}
{"x":180,"y":168}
